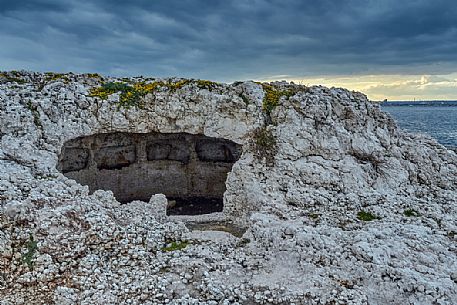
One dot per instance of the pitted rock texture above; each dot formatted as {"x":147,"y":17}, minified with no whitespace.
{"x":337,"y":155}
{"x":137,"y":166}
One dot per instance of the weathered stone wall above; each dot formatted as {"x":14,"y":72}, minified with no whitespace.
{"x":136,"y":166}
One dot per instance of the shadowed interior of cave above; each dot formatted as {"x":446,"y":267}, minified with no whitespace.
{"x":189,"y":169}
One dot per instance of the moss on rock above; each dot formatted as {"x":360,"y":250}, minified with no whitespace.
{"x":265,"y":145}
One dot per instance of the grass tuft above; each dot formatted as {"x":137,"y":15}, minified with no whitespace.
{"x":174,"y":246}
{"x":411,"y":213}
{"x":366,"y":216}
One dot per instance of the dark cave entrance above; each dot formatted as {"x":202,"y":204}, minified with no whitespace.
{"x":195,"y":205}
{"x":189,"y":169}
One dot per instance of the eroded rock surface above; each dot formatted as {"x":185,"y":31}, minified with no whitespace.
{"x":135,"y":166}
{"x":305,"y":239}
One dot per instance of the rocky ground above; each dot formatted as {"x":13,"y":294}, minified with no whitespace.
{"x":330,"y":203}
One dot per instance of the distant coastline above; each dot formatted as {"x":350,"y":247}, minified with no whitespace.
{"x":441,"y":103}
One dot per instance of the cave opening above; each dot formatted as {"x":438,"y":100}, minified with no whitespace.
{"x":190,"y":170}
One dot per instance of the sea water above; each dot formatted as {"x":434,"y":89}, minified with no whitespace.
{"x":438,"y":119}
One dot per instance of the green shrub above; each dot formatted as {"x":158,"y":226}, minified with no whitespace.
{"x":411,"y":213}
{"x":313,"y":216}
{"x":51,"y":76}
{"x":94,"y":75}
{"x":107,"y":89}
{"x":366,"y":216}
{"x":174,"y":246}
{"x":131,"y":94}
{"x":206,"y":84}
{"x":265,"y":145}
{"x":32,"y":247}
{"x":272,"y":97}
{"x":35,"y":113}
{"x":16,"y":78}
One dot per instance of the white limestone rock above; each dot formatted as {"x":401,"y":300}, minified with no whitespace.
{"x":337,"y":154}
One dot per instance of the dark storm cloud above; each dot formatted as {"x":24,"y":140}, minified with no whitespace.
{"x":229,"y":40}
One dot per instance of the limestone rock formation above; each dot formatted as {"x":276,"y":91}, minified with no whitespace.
{"x":325,"y":200}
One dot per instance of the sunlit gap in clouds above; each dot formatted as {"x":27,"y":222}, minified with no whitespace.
{"x":391,"y":87}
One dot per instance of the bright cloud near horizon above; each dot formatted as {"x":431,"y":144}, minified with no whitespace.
{"x":399,"y":50}
{"x":390,"y":87}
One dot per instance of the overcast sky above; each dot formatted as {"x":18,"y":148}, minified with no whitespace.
{"x":396,"y":49}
